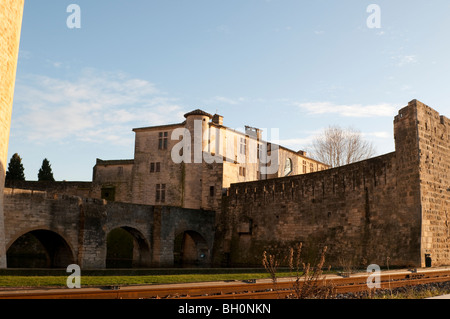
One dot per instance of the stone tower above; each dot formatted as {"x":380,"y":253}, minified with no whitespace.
{"x":197,"y":124}
{"x":10,"y":26}
{"x":434,"y":148}
{"x":423,"y":146}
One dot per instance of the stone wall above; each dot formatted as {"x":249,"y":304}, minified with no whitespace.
{"x":434,"y":156}
{"x":388,"y":209}
{"x":353,"y":210}
{"x":74,"y":229}
{"x":82,"y":189}
{"x":10,"y":27}
{"x":143,"y":181}
{"x":114,"y":177}
{"x":27,"y":211}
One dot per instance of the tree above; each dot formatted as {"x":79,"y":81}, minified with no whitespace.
{"x":45,"y":172}
{"x":336,"y":146}
{"x":15,"y":170}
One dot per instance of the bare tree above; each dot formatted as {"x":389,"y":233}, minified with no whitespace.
{"x":336,"y":146}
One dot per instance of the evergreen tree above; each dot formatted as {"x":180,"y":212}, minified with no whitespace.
{"x":15,"y":170}
{"x":45,"y":172}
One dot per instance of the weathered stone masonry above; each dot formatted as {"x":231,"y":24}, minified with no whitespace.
{"x":74,"y":229}
{"x":10,"y":27}
{"x":393,"y":206}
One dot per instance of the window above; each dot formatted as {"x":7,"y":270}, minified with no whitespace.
{"x":304,"y":167}
{"x":108,"y":193}
{"x":287,"y":167}
{"x":242,"y":171}
{"x":162,"y":142}
{"x":160,"y":193}
{"x":258,"y":151}
{"x":243,"y":145}
{"x":155,"y":167}
{"x":211,"y":191}
{"x":311,"y":167}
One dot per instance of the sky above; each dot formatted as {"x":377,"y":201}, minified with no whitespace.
{"x":294,"y":65}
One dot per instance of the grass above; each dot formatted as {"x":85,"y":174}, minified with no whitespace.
{"x":98,"y":278}
{"x":113,"y":280}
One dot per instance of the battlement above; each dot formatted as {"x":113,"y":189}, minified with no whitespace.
{"x":332,"y":182}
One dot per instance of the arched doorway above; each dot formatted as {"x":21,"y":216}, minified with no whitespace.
{"x":126,"y":247}
{"x":39,"y":249}
{"x":190,"y":250}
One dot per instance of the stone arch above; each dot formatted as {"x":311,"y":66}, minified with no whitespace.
{"x":39,"y":248}
{"x":191,"y":249}
{"x":127,"y":247}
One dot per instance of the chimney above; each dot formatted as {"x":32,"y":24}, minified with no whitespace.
{"x":253,"y":131}
{"x":217,"y":119}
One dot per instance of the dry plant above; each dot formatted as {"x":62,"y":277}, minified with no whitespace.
{"x":389,"y":280}
{"x":347,"y":266}
{"x":271,"y":264}
{"x":309,"y":282}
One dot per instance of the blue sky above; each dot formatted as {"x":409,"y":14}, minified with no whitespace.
{"x":298,"y":66}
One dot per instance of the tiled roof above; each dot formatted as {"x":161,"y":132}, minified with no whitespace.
{"x":198,"y":112}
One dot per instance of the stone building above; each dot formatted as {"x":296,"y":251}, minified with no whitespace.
{"x":10,"y":27}
{"x":191,"y":164}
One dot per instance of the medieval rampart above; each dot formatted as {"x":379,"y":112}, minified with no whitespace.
{"x":391,"y":209}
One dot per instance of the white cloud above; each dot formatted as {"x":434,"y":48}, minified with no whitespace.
{"x":297,"y":143}
{"x":25,"y":55}
{"x":350,"y":110}
{"x":403,"y":60}
{"x":94,"y":107}
{"x":226,"y":100}
{"x":378,"y":134}
{"x":223,"y":28}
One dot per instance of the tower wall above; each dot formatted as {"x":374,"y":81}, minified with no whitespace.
{"x":433,"y":138}
{"x":10,"y":26}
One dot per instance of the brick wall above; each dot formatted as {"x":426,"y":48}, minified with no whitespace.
{"x":10,"y":27}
